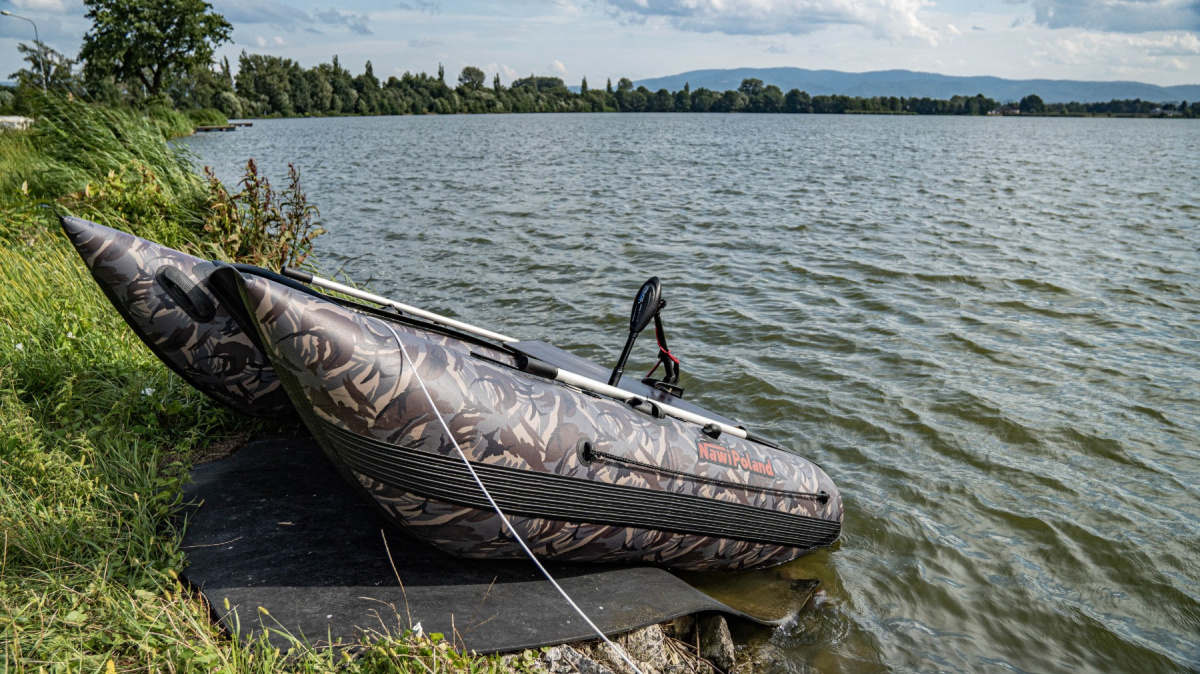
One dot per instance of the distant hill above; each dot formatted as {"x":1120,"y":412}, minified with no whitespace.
{"x":909,"y":84}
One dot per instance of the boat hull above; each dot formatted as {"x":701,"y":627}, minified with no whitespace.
{"x":582,"y":478}
{"x":214,"y":354}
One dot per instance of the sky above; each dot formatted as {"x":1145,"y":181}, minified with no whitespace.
{"x":1152,"y":41}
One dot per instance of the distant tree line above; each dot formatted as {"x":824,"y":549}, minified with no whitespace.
{"x":1033,"y":105}
{"x":272,"y":86}
{"x":267,"y":86}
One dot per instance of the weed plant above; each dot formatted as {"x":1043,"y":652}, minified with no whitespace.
{"x":96,"y":434}
{"x":257,"y":224}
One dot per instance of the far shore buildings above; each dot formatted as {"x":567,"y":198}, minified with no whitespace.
{"x":1009,"y":109}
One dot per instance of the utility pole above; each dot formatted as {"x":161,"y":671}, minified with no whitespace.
{"x":36,"y":40}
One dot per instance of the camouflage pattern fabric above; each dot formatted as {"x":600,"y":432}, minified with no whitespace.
{"x":216,"y":356}
{"x":343,"y":370}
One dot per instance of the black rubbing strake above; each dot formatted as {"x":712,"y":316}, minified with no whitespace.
{"x":572,"y":499}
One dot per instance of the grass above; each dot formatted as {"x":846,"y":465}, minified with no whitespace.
{"x":96,"y":435}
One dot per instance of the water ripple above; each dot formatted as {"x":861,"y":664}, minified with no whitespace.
{"x":984,"y":329}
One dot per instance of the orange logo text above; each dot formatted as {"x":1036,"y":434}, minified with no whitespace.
{"x":730,"y":458}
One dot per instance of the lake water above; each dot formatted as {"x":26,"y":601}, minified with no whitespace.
{"x":986,"y":330}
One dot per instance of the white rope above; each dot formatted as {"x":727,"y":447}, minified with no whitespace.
{"x":617,"y":649}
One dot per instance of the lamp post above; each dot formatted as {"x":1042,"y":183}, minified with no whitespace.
{"x":37,"y":40}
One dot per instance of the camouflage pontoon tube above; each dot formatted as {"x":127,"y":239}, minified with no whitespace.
{"x":164,"y":296}
{"x":583,"y":478}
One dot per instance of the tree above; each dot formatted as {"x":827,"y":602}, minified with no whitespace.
{"x":496,"y":86}
{"x":367,"y":86}
{"x":442,"y":73}
{"x":797,"y":101}
{"x":1032,"y":104}
{"x":624,"y":84}
{"x":683,"y":99}
{"x":148,"y":41}
{"x":751,"y":86}
{"x":771,"y":99}
{"x":731,"y":101}
{"x":608,"y":87}
{"x":542,"y":84}
{"x":202,"y":88}
{"x":46,"y":65}
{"x":472,"y":78}
{"x":583,"y":86}
{"x":703,"y":99}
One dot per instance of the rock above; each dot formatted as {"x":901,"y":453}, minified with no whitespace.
{"x":648,"y":645}
{"x":650,"y":649}
{"x":681,"y":628}
{"x":567,"y":660}
{"x":716,"y":644}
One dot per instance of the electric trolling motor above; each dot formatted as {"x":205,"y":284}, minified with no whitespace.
{"x":646,"y":306}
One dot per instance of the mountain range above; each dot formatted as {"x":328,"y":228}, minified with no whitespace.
{"x":909,"y":84}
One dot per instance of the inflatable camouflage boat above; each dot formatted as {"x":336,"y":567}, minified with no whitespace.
{"x":583,"y":477}
{"x":620,"y":472}
{"x":164,"y":296}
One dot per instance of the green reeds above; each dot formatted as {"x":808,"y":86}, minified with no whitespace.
{"x":74,"y":142}
{"x":207,"y":117}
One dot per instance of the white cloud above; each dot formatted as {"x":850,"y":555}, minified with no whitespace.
{"x":355,"y":22}
{"x":510,"y":73}
{"x":558,"y":67}
{"x":884,"y":18}
{"x":48,"y":6}
{"x":1086,"y":47}
{"x":427,"y":6}
{"x":1119,"y":16}
{"x":262,"y":11}
{"x":1122,"y":53}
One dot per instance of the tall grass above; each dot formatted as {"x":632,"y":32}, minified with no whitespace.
{"x":74,"y":142}
{"x":207,"y":117}
{"x":93,"y":434}
{"x":96,"y":434}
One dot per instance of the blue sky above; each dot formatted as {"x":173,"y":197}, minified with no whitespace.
{"x":1148,"y":40}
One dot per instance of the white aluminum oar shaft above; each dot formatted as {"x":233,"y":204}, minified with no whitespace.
{"x":594,"y":386}
{"x":570,"y":378}
{"x":427,"y":315}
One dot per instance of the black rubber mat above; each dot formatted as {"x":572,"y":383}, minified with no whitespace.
{"x":275,"y":526}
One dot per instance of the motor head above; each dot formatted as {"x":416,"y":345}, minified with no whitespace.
{"x":645,"y":305}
